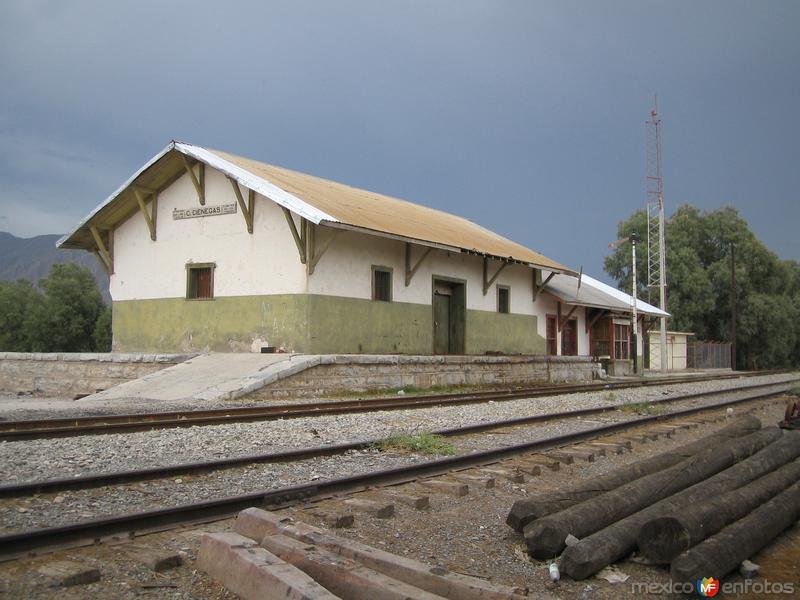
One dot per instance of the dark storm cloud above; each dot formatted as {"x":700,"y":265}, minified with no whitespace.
{"x":526,"y":117}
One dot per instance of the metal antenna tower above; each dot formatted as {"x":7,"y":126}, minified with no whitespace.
{"x":656,"y":248}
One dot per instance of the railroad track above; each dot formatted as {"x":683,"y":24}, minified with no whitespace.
{"x":120,"y":477}
{"x":93,"y":425}
{"x":128,"y":526}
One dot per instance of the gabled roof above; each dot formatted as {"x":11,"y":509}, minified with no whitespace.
{"x":596,"y":294}
{"x":319,"y":200}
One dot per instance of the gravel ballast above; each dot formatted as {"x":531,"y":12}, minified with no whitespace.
{"x":67,"y":507}
{"x":33,"y":460}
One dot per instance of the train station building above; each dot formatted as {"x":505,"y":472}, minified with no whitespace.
{"x":207,"y":251}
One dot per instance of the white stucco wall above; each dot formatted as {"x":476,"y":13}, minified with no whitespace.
{"x":267,"y":262}
{"x":264,"y":262}
{"x":346,"y":270}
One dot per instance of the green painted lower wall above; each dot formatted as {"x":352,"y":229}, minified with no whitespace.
{"x":227,"y":324}
{"x":312,"y":324}
{"x":505,"y":333}
{"x":353,"y":326}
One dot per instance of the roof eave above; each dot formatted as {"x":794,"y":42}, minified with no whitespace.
{"x":63,"y":241}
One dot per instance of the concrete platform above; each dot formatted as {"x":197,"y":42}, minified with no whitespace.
{"x":218,"y":376}
{"x":144,"y":382}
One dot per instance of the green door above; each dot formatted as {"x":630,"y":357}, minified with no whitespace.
{"x":441,"y":323}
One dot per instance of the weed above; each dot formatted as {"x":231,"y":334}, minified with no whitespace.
{"x":426,"y":443}
{"x":643,"y":408}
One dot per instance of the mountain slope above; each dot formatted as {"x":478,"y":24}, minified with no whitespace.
{"x":31,"y":258}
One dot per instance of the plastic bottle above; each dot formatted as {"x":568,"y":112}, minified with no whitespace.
{"x":554,"y":574}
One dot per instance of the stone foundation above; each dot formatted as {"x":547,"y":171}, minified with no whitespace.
{"x":340,"y":374}
{"x":70,"y":374}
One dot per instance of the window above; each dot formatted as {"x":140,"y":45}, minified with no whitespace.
{"x":552,"y":339}
{"x":622,"y":341}
{"x":200,"y":281}
{"x":601,"y":338}
{"x":569,"y":338}
{"x":382,"y":284}
{"x":503,"y":299}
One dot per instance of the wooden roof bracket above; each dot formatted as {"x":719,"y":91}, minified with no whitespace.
{"x":313,"y":254}
{"x":536,"y":281}
{"x":546,"y":281}
{"x":562,"y":320}
{"x":199,"y":180}
{"x":149,"y":217}
{"x":596,"y":318}
{"x":247,"y":210}
{"x":103,"y":251}
{"x":411,"y":271}
{"x":299,"y":238}
{"x":487,"y":283}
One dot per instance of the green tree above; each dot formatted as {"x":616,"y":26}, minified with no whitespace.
{"x":17,"y":300}
{"x":698,"y":259}
{"x":65,"y":320}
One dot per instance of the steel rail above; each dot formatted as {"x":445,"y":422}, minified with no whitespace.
{"x":94,"y":425}
{"x":119,"y":477}
{"x":25,"y":543}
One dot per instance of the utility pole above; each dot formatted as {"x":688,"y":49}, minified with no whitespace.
{"x":733,"y":306}
{"x":634,"y":349}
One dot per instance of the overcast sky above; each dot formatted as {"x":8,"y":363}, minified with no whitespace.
{"x":526,"y":117}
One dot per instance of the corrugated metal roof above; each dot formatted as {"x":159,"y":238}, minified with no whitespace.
{"x":641,"y":305}
{"x":596,"y":294}
{"x":318,"y":200}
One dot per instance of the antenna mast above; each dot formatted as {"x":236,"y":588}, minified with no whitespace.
{"x":656,"y":248}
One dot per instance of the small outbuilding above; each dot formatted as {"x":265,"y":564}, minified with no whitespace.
{"x":678,"y":348}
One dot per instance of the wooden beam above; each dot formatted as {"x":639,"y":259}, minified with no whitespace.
{"x":199,"y":184}
{"x":201,"y":177}
{"x":151,"y":225}
{"x":251,"y":205}
{"x":102,"y":250}
{"x":536,"y":276}
{"x":595,"y":319}
{"x":546,"y":281}
{"x":311,"y":240}
{"x":299,"y":240}
{"x":315,"y":254}
{"x":411,"y":271}
{"x":99,"y":259}
{"x":558,"y":316}
{"x":488,"y":283}
{"x":153,"y":217}
{"x":565,"y":319}
{"x":110,"y":245}
{"x":245,"y":208}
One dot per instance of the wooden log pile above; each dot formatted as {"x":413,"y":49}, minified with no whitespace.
{"x":704,"y":512}
{"x":535,"y":507}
